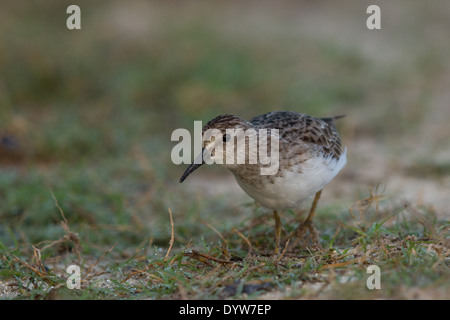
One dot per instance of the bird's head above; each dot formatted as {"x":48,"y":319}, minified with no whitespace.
{"x":216,"y":134}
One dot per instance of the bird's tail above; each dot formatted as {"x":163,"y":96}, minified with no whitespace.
{"x":330,"y":120}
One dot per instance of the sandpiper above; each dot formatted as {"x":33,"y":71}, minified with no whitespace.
{"x":310,"y":156}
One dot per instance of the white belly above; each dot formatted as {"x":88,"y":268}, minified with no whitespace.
{"x":292,"y":188}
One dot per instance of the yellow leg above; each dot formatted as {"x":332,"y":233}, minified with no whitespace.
{"x":307,"y":224}
{"x":277,"y":230}
{"x":313,"y":207}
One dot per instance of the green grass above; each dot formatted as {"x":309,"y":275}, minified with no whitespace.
{"x":411,"y":252}
{"x":89,"y":180}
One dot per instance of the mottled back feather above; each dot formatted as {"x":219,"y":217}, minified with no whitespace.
{"x":299,"y":127}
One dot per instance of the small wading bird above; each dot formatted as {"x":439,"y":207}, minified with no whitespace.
{"x":310,"y":155}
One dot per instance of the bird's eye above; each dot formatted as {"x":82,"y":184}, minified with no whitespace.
{"x":226,"y":137}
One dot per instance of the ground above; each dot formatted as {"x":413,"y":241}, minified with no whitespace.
{"x":86,"y":177}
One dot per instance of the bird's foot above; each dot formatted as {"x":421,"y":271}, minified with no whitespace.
{"x":304,"y":232}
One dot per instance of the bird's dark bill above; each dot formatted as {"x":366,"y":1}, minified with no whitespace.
{"x":197,"y":163}
{"x":189,"y":170}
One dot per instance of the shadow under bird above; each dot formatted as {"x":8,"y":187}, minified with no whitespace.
{"x":310,"y":155}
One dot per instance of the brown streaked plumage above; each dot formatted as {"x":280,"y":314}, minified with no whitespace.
{"x":298,"y":127}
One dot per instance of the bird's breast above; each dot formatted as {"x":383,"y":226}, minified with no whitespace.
{"x":291,"y":185}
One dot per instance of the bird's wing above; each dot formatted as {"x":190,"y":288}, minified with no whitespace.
{"x":296,"y":127}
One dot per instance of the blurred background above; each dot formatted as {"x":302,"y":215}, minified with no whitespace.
{"x":87,"y":114}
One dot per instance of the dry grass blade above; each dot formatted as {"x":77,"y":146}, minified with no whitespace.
{"x":286,"y":246}
{"x":250,"y":248}
{"x":59,"y":207}
{"x":98,"y":260}
{"x":225,"y":251}
{"x":338,"y":264}
{"x":29,"y":266}
{"x":205,"y":258}
{"x":68,"y":237}
{"x":38,"y":261}
{"x":172,"y":237}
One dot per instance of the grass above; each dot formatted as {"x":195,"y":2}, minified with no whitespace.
{"x":86,"y":176}
{"x":239,"y":263}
